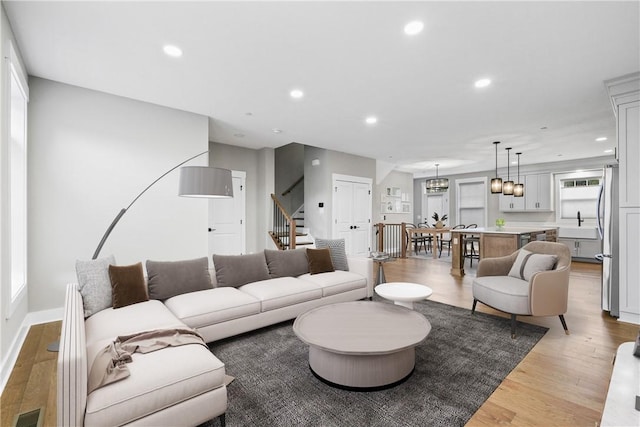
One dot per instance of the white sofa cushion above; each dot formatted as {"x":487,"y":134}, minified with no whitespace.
{"x":336,"y":282}
{"x":158,"y":380}
{"x":104,"y":326}
{"x":282,"y":292}
{"x":204,"y":308}
{"x":506,"y":293}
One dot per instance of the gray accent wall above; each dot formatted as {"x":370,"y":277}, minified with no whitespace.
{"x":493,"y":199}
{"x":318,"y":184}
{"x":258,"y":164}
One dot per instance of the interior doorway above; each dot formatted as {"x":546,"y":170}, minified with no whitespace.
{"x":227,"y":220}
{"x":352,"y":203}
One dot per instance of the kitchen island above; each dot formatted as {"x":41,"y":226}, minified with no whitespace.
{"x":494,"y":242}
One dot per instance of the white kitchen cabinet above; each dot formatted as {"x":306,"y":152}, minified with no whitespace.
{"x":510,"y":203}
{"x":624,"y":92}
{"x":537,"y":192}
{"x":629,"y":153}
{"x":583,"y":249}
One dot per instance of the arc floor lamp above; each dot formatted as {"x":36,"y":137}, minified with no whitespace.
{"x":195,"y":181}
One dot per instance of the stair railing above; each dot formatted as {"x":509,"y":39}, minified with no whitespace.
{"x":389,"y":238}
{"x":284,"y":226}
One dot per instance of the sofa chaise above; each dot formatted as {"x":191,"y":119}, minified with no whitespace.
{"x":185,"y":385}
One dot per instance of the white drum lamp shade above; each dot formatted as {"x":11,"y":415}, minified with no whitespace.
{"x":203,"y":181}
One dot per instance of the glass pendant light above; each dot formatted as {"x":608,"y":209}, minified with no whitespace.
{"x":496,"y":183}
{"x":507,"y":186}
{"x":518,"y":189}
{"x":436,"y":185}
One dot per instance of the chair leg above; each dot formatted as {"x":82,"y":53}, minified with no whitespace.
{"x":564,"y":324}
{"x":473,"y":308}
{"x":223,"y":420}
{"x":513,"y":326}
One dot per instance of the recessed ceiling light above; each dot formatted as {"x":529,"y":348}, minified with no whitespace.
{"x":173,"y":51}
{"x":482,"y":83}
{"x":608,"y":151}
{"x":413,"y":28}
{"x":602,"y":138}
{"x":296,"y":93}
{"x":371,"y":120}
{"x":276,"y":130}
{"x":239,"y":135}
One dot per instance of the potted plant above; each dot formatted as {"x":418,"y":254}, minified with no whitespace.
{"x":439,"y":220}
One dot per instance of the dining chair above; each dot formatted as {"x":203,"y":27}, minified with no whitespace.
{"x":428,"y":238}
{"x":414,"y":239}
{"x":447,"y":241}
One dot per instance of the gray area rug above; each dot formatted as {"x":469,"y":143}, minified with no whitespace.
{"x":462,"y":361}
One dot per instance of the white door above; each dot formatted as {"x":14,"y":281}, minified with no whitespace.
{"x":352,"y":203}
{"x":435,"y":203}
{"x":227,"y":220}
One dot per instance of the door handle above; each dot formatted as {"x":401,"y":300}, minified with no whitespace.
{"x":211,"y":229}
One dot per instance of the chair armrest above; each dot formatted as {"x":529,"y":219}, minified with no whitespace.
{"x":72,"y":362}
{"x":364,"y":267}
{"x":498,"y":266}
{"x":549,"y":292}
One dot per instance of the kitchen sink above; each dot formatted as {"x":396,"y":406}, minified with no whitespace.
{"x":578,"y":232}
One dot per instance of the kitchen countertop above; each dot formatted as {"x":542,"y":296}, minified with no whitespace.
{"x":504,"y":230}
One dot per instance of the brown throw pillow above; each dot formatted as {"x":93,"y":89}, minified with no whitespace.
{"x":319,"y":261}
{"x":127,"y":285}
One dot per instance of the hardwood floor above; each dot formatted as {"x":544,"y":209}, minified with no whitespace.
{"x":562,"y":382}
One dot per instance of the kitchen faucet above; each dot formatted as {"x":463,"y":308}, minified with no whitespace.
{"x":580,"y":220}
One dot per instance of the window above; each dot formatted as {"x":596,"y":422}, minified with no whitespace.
{"x":472,"y":201}
{"x":578,"y":192}
{"x":17,"y":135}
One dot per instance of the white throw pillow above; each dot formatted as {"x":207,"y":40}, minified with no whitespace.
{"x":94,"y":284}
{"x":338,"y":252}
{"x":528,"y":263}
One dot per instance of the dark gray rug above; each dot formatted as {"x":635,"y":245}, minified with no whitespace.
{"x":462,"y":361}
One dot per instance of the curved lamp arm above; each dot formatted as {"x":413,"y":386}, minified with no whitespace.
{"x":124,"y":210}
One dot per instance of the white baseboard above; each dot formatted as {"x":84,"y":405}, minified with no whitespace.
{"x":30,"y":319}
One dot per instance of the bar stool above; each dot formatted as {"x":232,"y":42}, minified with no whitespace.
{"x":469,"y":242}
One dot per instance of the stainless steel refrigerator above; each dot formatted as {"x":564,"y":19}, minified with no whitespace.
{"x":608,"y":228}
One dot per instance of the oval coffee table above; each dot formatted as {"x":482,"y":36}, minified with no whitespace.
{"x":362,"y":345}
{"x":403,"y":293}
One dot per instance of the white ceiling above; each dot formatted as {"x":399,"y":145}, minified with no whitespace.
{"x":547,"y":61}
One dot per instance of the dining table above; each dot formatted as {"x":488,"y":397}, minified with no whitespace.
{"x":436,"y":233}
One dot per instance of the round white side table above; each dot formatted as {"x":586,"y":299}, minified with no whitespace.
{"x":403,"y":293}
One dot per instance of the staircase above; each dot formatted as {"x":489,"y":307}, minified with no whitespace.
{"x":288,"y":231}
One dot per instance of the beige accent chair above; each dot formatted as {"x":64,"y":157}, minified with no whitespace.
{"x":545,"y":294}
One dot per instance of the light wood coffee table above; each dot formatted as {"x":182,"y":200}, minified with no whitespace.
{"x":403,"y":293}
{"x":362,"y":345}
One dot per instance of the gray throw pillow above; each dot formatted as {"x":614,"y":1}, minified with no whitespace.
{"x":238,"y":270}
{"x":338,"y":253}
{"x":528,"y":263}
{"x":291,"y":263}
{"x":170,"y":278}
{"x":94,"y":284}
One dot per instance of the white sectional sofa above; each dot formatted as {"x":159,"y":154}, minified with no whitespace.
{"x":185,"y":385}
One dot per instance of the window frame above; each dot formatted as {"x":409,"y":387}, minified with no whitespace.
{"x":16,"y":85}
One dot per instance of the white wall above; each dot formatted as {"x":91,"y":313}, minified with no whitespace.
{"x":90,"y":154}
{"x":402,"y":180}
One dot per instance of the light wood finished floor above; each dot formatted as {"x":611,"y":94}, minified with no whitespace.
{"x":562,"y":382}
